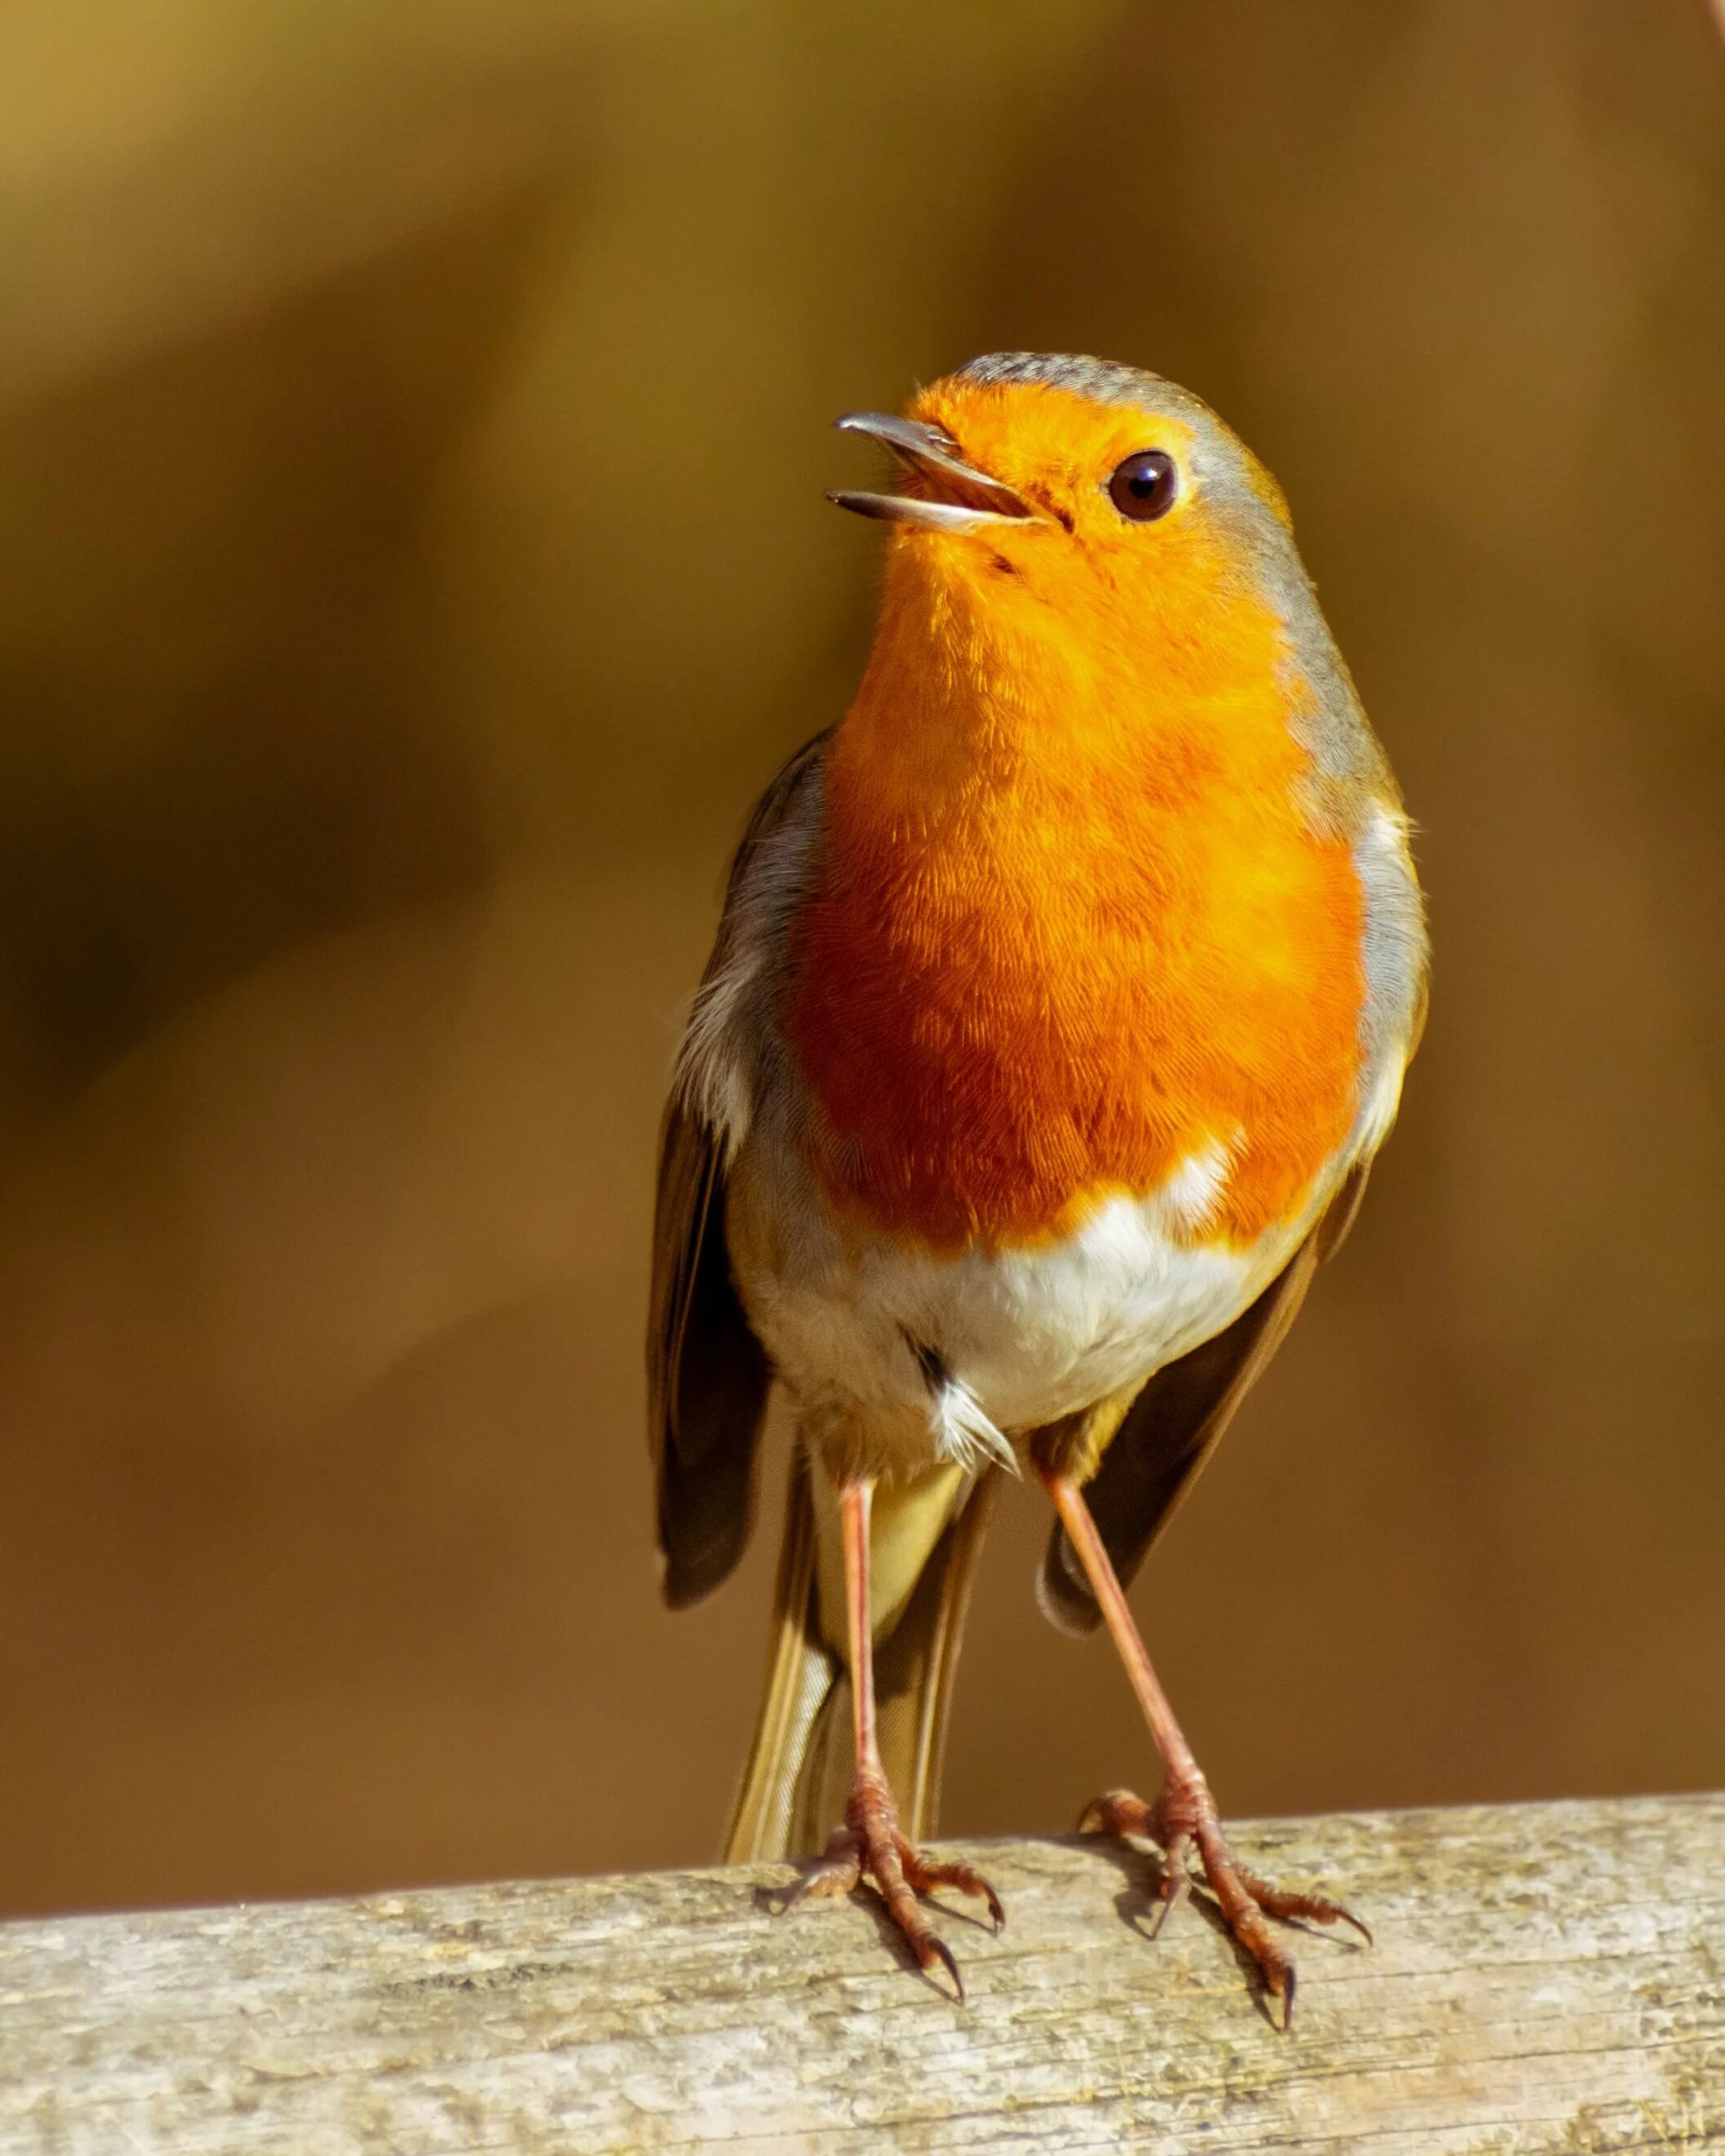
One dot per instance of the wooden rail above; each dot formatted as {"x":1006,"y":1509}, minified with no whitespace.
{"x":1545,"y":1977}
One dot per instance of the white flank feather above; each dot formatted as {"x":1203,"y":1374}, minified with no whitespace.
{"x":962,"y":1432}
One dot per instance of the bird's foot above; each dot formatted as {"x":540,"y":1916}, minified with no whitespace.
{"x":869,"y":1846}
{"x":1184,"y":1817}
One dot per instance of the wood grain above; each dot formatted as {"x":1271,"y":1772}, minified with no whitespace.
{"x":1545,"y":1977}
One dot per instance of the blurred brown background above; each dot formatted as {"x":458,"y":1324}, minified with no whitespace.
{"x":412,"y":562}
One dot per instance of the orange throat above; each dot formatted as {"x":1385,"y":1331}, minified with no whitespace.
{"x":1073,"y":929}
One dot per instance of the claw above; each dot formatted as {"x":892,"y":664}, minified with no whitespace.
{"x":1185,"y":1816}
{"x":1176,"y":1885}
{"x":939,"y":1951}
{"x":869,"y":1846}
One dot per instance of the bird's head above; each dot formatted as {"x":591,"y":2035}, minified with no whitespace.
{"x":1083,"y":554}
{"x":1103,"y":494}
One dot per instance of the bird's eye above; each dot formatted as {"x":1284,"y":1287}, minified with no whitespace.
{"x":1143,"y":488}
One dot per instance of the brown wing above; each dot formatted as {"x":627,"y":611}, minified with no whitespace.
{"x":708,"y":1377}
{"x":1176,"y":1422}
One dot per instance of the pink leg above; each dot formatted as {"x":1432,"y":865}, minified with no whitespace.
{"x":869,"y":1844}
{"x":1185,"y":1817}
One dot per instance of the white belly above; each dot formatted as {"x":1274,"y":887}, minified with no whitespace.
{"x":1008,"y":1339}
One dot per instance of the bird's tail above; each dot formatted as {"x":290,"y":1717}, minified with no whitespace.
{"x":925,"y":1538}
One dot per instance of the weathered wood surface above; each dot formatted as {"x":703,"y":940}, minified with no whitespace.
{"x":1545,"y":1977}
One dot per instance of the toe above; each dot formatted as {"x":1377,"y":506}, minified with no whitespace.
{"x":1116,"y":1812}
{"x":837,"y":1872}
{"x":1246,"y":1922}
{"x":826,"y":1882}
{"x":924,"y":1875}
{"x":1299,"y":1908}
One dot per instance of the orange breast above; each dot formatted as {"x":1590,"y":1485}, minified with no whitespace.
{"x":1070,"y":930}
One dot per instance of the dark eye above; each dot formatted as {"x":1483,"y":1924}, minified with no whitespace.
{"x":1143,"y":488}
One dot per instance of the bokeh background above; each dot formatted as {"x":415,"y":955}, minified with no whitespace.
{"x":412,"y":563}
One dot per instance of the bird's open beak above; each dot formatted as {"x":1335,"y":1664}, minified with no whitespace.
{"x":963,"y":499}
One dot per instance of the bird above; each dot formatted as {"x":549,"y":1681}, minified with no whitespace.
{"x":1061,"y":998}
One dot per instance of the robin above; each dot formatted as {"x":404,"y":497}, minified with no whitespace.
{"x":1061,"y":998}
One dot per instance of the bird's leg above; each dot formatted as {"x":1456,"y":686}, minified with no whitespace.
{"x":1184,"y":1819}
{"x":869,"y":1844}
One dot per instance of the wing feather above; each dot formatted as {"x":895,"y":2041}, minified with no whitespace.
{"x":708,"y":1377}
